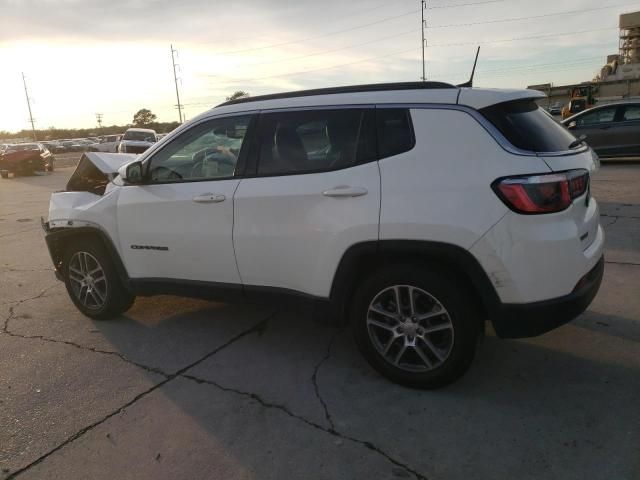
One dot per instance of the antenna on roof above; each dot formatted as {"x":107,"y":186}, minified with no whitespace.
{"x":469,"y":83}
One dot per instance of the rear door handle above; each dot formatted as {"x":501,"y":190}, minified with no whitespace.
{"x":345,"y":191}
{"x":209,"y":198}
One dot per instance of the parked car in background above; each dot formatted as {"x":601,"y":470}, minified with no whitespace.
{"x":25,"y":159}
{"x":612,"y":130}
{"x":362,"y":201}
{"x":52,"y":146}
{"x":108,"y":143}
{"x":555,"y":109}
{"x":137,"y":140}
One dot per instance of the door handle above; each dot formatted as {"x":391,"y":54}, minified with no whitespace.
{"x":209,"y":198}
{"x":345,"y":191}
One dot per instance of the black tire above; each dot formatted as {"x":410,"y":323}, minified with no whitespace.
{"x":51,"y":166}
{"x":431,"y":287}
{"x":4,"y":173}
{"x":115,"y":298}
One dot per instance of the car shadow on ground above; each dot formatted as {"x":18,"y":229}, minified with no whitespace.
{"x":548,"y":404}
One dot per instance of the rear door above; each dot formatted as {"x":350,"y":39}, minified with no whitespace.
{"x":627,"y":130}
{"x":314,"y":192}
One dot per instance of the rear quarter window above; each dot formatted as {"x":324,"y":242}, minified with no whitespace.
{"x":528,"y":127}
{"x":395,"y":132}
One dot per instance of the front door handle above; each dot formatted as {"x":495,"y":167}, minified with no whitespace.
{"x":209,"y":198}
{"x":345,"y":191}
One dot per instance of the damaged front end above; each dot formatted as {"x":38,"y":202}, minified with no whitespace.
{"x":87,"y":206}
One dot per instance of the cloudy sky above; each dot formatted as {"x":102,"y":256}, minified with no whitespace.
{"x":81,"y":57}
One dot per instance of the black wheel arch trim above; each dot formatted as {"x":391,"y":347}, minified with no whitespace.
{"x":58,"y":238}
{"x":362,"y":254}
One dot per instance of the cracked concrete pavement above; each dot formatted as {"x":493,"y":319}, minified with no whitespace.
{"x":181,"y":388}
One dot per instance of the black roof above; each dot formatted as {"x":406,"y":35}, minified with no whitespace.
{"x":373,"y":87}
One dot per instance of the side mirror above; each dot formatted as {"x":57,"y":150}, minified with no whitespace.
{"x":131,"y":172}
{"x":572,"y":125}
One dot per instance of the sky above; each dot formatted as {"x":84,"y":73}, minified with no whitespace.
{"x":82,"y":57}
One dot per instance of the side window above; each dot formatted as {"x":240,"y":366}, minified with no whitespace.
{"x":601,"y":115}
{"x":395,"y":134}
{"x":631,"y":112}
{"x":313,"y":141}
{"x":207,"y":151}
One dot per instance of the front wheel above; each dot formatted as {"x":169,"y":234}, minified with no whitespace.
{"x":416,"y":327}
{"x":92,"y":282}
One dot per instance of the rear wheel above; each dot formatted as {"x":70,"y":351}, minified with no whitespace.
{"x":4,"y":173}
{"x":417,"y":328}
{"x":92,"y":282}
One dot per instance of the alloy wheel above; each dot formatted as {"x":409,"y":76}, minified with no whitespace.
{"x":410,"y":328}
{"x":88,"y":280}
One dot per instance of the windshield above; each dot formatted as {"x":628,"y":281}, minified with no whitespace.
{"x":529,"y":127}
{"x":140,"y":136}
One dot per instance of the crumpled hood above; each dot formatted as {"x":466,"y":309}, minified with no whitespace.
{"x":109,"y":163}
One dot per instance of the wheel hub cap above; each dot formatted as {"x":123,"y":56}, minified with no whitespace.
{"x":410,"y":328}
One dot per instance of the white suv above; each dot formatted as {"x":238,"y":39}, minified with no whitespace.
{"x":137,"y":140}
{"x":415,"y":211}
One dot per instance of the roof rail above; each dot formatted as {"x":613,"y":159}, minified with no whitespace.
{"x":374,"y":87}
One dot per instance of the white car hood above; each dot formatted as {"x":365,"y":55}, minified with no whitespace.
{"x":109,"y":163}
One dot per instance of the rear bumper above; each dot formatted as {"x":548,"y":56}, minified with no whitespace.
{"x":532,"y":319}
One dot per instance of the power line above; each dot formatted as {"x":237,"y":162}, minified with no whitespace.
{"x":408,"y":32}
{"x":175,"y":79}
{"x":99,"y":120}
{"x":517,"y":39}
{"x":356,"y":27}
{"x":280,"y":75}
{"x":546,"y":15}
{"x":26,"y":93}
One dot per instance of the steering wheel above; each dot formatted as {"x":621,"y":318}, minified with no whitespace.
{"x":172,"y":175}
{"x":213,"y":155}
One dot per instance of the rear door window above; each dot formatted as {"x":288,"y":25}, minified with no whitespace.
{"x":313,"y":141}
{"x":631,"y":112}
{"x":528,"y":127}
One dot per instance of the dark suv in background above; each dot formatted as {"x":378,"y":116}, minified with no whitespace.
{"x":612,"y":130}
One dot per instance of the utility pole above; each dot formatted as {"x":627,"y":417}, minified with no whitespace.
{"x":26,"y":93}
{"x":175,"y":79}
{"x":423,"y":7}
{"x":99,"y":120}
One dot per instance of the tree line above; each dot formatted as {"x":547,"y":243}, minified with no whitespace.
{"x":143,"y":118}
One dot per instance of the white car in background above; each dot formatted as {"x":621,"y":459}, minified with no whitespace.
{"x":108,"y":143}
{"x":137,"y":140}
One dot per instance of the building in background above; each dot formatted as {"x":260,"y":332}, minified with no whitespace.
{"x":618,"y":79}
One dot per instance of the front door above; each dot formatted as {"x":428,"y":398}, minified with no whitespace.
{"x":178,"y":224}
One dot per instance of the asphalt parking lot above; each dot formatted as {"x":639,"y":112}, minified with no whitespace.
{"x":188,"y":389}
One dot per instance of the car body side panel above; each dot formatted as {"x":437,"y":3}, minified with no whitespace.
{"x":288,"y":235}
{"x":441,"y":190}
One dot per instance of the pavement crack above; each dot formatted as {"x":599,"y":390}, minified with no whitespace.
{"x":615,"y":219}
{"x":257,"y":327}
{"x":331,"y":431}
{"x":314,"y":379}
{"x":622,"y":263}
{"x":88,"y":349}
{"x":35,"y":297}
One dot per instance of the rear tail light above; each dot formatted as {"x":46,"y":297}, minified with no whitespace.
{"x":547,"y":193}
